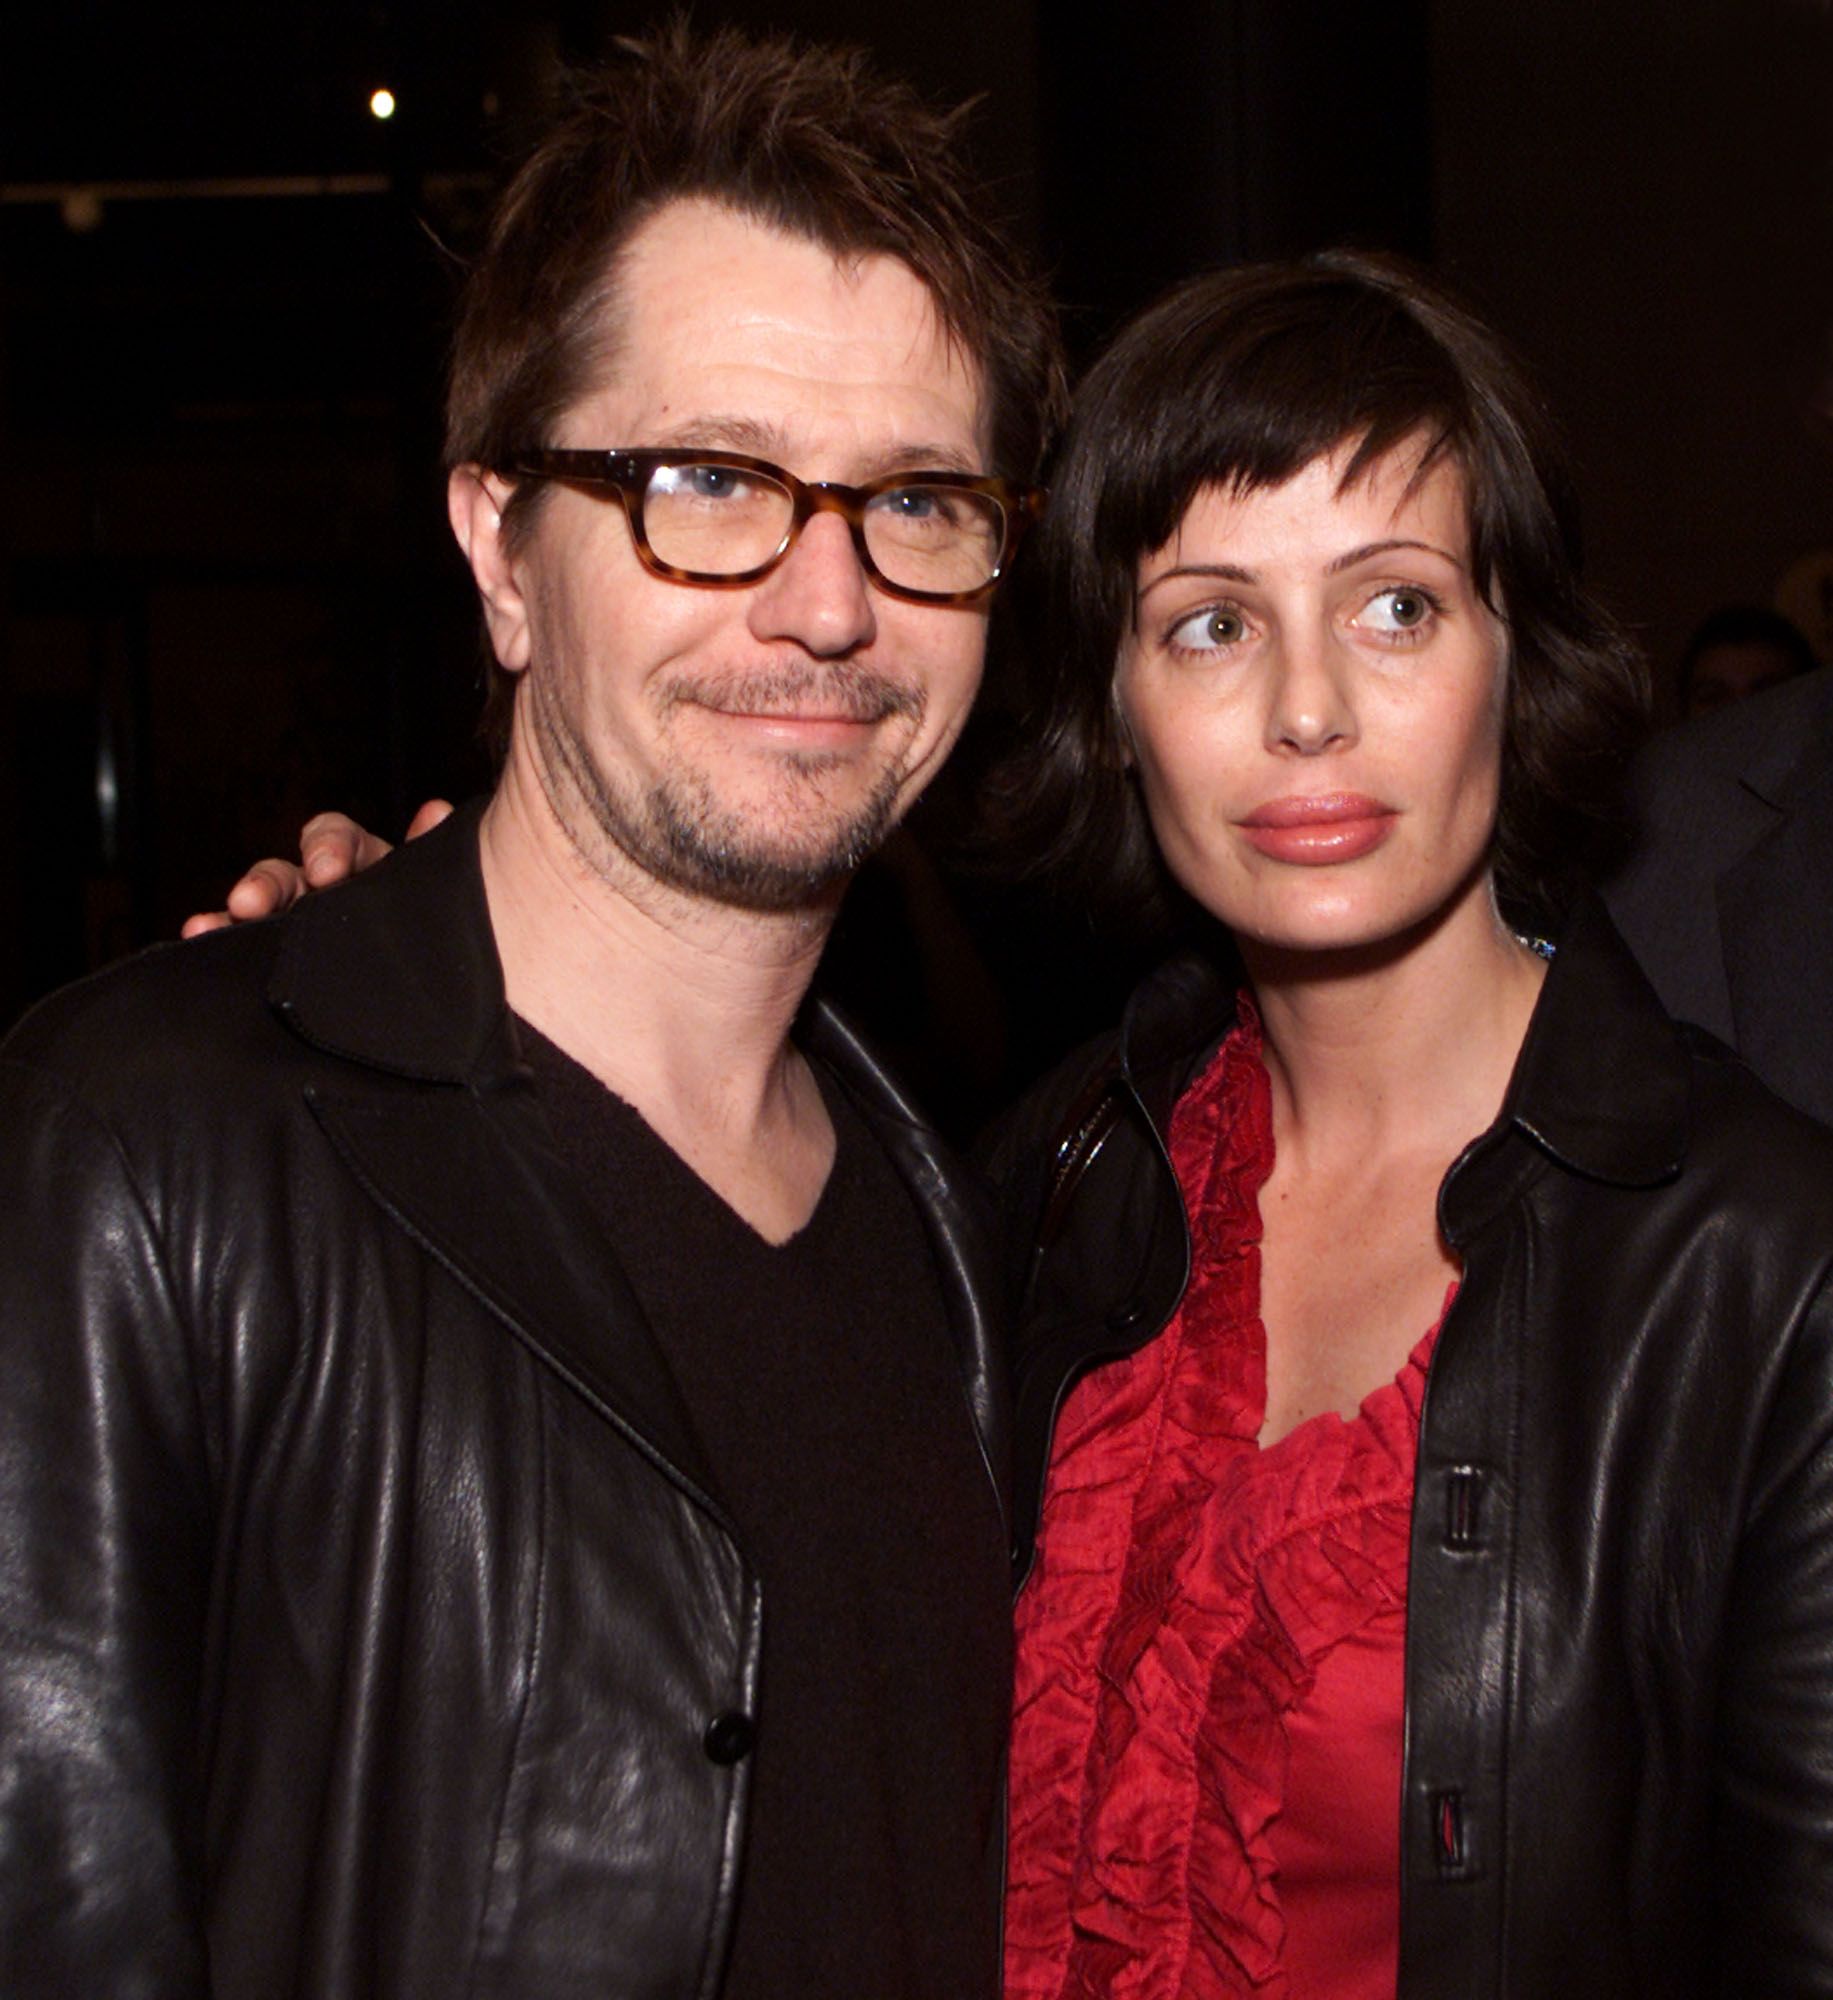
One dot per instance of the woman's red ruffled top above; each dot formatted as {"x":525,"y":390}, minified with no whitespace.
{"x":1207,"y":1744}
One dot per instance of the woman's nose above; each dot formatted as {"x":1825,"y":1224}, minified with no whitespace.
{"x":1310,"y":707}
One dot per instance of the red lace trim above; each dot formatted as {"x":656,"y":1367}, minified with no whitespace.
{"x":1187,"y":1586}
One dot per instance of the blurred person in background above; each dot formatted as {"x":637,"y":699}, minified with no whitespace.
{"x":1726,"y":896}
{"x":1737,"y":651}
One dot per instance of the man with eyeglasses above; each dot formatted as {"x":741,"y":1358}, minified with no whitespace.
{"x":500,"y":1467}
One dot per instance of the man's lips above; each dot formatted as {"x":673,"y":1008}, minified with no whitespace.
{"x":1319,"y":829}
{"x":799,"y":729}
{"x":808,"y":709}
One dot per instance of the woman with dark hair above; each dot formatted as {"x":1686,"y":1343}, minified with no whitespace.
{"x":1424,"y":1344}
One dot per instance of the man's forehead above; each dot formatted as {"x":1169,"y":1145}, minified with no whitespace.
{"x":725,"y":330}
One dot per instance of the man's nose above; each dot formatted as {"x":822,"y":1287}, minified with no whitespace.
{"x":817,"y":596}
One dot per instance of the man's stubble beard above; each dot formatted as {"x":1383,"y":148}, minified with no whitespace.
{"x":679,"y":835}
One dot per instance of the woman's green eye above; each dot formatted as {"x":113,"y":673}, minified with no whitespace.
{"x":1210,"y":630}
{"x":1401,"y":609}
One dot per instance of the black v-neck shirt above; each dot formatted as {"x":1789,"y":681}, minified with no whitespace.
{"x":823,"y":1381}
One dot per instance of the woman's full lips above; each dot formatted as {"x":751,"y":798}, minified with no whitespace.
{"x":1315,"y":832}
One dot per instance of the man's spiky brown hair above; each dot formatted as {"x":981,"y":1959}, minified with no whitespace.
{"x":809,"y":139}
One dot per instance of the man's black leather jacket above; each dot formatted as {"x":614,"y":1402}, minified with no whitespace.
{"x":1619,"y":1674}
{"x":367,"y":1623}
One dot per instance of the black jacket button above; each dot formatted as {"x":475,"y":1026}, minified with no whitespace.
{"x":729,"y":1737}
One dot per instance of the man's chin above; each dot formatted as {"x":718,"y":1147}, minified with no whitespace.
{"x":791,"y":851}
{"x":745,"y":872}
{"x":760,"y":884}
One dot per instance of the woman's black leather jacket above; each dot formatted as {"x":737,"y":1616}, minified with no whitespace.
{"x":1619,"y":1673}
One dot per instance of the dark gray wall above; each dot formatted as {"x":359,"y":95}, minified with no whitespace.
{"x":1643,"y":197}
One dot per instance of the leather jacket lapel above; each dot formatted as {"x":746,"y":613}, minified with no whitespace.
{"x":959,"y":1229}
{"x":397,"y":974}
{"x":500,"y":1210}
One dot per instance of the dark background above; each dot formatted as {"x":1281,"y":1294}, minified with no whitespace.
{"x":226,"y":595}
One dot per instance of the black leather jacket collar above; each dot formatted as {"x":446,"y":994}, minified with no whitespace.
{"x":402,"y":976}
{"x":1616,"y":1111}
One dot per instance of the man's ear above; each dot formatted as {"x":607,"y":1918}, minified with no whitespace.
{"x":475,"y":500}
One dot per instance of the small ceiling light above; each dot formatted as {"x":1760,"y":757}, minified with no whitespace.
{"x":82,"y":211}
{"x":381,"y":104}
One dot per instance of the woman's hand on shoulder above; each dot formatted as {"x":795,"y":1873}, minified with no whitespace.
{"x":332,"y":848}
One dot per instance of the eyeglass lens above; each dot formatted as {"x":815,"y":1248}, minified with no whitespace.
{"x":723,"y":520}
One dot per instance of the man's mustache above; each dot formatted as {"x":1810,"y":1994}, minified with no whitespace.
{"x":861,"y":694}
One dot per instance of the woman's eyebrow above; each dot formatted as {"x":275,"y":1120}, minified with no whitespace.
{"x":1368,"y":549}
{"x":1225,"y":572}
{"x":1239,"y":573}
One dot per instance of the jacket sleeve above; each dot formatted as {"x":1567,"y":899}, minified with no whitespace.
{"x":104,"y":1566}
{"x":1774,"y":1859}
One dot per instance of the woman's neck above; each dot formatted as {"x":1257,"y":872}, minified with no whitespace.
{"x":1397,"y":1049}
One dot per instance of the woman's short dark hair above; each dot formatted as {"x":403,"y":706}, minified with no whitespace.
{"x":1238,"y":380}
